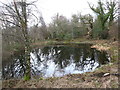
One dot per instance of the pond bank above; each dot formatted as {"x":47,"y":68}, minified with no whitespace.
{"x":97,"y":79}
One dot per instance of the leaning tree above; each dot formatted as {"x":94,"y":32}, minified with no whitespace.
{"x":105,"y":14}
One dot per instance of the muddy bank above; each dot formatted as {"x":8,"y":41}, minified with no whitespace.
{"x":96,"y":79}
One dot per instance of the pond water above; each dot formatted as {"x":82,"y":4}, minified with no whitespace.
{"x":57,"y":61}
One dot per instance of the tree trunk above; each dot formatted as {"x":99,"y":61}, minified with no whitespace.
{"x":27,"y":44}
{"x":23,"y":23}
{"x":27,"y":58}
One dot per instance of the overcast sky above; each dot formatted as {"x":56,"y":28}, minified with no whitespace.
{"x":49,"y":8}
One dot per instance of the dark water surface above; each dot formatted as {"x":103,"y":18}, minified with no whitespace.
{"x":57,"y":60}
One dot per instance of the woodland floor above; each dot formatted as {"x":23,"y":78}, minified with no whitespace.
{"x":94,"y":79}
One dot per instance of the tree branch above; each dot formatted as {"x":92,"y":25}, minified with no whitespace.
{"x":10,"y":22}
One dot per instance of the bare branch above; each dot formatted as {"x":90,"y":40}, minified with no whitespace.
{"x":10,"y":22}
{"x":8,"y":6}
{"x":32,"y":3}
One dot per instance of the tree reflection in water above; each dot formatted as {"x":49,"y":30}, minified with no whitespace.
{"x":58,"y":60}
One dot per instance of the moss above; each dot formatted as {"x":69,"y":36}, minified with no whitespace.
{"x":26,"y":78}
{"x":41,"y":78}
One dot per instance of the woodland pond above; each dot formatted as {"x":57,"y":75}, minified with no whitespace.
{"x":56,"y":61}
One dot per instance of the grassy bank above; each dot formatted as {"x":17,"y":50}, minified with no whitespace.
{"x":103,"y":77}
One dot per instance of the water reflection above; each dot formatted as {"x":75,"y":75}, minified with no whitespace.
{"x":57,"y":60}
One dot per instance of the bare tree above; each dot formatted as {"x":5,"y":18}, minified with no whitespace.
{"x":17,"y":15}
{"x":87,"y":20}
{"x":22,"y":18}
{"x":43,"y":28}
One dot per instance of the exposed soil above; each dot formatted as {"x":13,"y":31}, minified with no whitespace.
{"x":87,"y":80}
{"x":104,"y":77}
